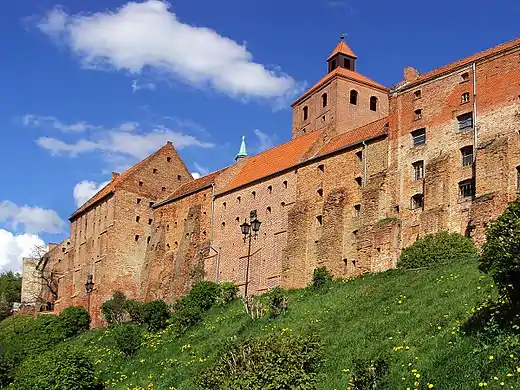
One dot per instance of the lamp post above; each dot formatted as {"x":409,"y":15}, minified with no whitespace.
{"x":249,"y":231}
{"x":89,"y":286}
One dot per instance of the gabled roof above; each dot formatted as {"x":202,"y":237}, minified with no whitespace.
{"x":466,"y":61}
{"x":111,"y":186}
{"x":194,"y":185}
{"x":342,"y":48}
{"x":274,"y":160}
{"x":352,"y":137}
{"x":344,"y":73}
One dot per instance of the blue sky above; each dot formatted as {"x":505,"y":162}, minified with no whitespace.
{"x":89,"y":87}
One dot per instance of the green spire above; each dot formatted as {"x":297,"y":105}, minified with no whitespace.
{"x":243,"y":152}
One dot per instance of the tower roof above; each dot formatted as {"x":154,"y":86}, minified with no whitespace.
{"x":342,"y":48}
{"x":243,"y":151}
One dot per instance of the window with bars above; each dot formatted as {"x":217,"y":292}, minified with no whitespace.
{"x":467,"y":156}
{"x":464,"y":97}
{"x":418,"y":170}
{"x":465,"y":121}
{"x":466,"y":189}
{"x":419,"y":137}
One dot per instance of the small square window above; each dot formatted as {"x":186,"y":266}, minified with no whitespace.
{"x":418,"y":170}
{"x":417,"y":114}
{"x":465,"y":97}
{"x":179,"y":177}
{"x":168,"y":159}
{"x":417,"y":201}
{"x":466,"y":189}
{"x":163,"y":189}
{"x":417,"y":94}
{"x":465,"y":121}
{"x":357,"y":210}
{"x":138,"y":200}
{"x":467,"y":156}
{"x":464,"y":76}
{"x":155,"y":170}
{"x":419,"y":137}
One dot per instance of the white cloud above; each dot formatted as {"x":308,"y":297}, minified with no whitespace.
{"x":14,"y":247}
{"x":85,"y":190}
{"x":265,"y":141}
{"x":138,"y":86}
{"x":31,"y":219}
{"x":52,"y":122}
{"x":195,"y":175}
{"x":142,"y":36}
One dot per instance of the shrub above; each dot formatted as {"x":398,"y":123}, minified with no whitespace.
{"x":277,"y":301}
{"x":186,"y":313}
{"x":135,"y":310}
{"x":321,"y":277}
{"x":204,"y":294}
{"x":155,"y":314}
{"x":501,"y":252}
{"x":62,"y":368}
{"x":275,"y":361}
{"x":128,"y":338}
{"x":74,"y":320}
{"x":114,"y":309}
{"x":437,"y":248}
{"x":227,"y":292}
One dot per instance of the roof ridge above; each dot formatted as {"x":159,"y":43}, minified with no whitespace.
{"x":284,"y":143}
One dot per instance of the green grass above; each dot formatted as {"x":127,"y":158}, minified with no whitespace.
{"x":411,"y":318}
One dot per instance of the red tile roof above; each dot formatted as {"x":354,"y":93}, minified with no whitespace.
{"x":342,"y":48}
{"x":195,"y":185}
{"x":110,"y":187}
{"x":465,"y":61}
{"x":363,"y":133}
{"x":345,"y":73}
{"x":274,"y":160}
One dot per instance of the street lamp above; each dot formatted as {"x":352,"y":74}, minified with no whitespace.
{"x":249,"y":231}
{"x":89,"y":286}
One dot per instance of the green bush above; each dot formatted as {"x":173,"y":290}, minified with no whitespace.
{"x":277,"y":301}
{"x":227,"y":292}
{"x":74,"y":320}
{"x":155,"y":315}
{"x":114,"y":309}
{"x":62,"y":368}
{"x":501,"y":253}
{"x":369,"y":374}
{"x":321,"y":277}
{"x":128,"y":338}
{"x":275,"y":361}
{"x":135,"y":310}
{"x":437,"y":248}
{"x":185,"y":314}
{"x":204,"y":294}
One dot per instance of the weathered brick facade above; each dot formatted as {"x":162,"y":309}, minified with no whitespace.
{"x":368,"y":171}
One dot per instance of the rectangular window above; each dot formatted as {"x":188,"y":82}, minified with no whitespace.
{"x":319,"y":220}
{"x":466,"y":189}
{"x":417,"y":114}
{"x":419,"y":137}
{"x":467,"y":156}
{"x":359,"y":157}
{"x":465,"y":97}
{"x":417,"y":201}
{"x":465,"y":121}
{"x":357,"y":211}
{"x":418,"y":170}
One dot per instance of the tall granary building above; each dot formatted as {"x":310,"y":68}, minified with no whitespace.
{"x":368,"y":170}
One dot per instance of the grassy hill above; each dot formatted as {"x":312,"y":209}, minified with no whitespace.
{"x":412,"y":319}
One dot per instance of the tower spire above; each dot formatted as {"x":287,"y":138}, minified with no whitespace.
{"x":342,"y":56}
{"x":243,"y":151}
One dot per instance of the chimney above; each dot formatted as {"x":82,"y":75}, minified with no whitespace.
{"x":114,"y":175}
{"x":410,"y":74}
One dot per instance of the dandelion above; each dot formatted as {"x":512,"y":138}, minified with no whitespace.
{"x":491,"y":357}
{"x":430,"y":386}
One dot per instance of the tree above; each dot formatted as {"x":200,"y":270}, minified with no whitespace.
{"x":501,"y":252}
{"x":10,"y":292}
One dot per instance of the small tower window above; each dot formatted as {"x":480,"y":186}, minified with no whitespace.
{"x":324,"y":100}
{"x":346,"y":63}
{"x":305,"y":113}
{"x":320,"y":192}
{"x":417,"y":114}
{"x":373,"y":103}
{"x":464,"y":76}
{"x":467,"y":156}
{"x":224,"y":205}
{"x":418,"y":170}
{"x":353,"y":96}
{"x":155,"y":170}
{"x":285,"y":184}
{"x":269,"y":209}
{"x":418,"y":137}
{"x":321,"y":168}
{"x":417,"y":201}
{"x":239,"y":199}
{"x":150,"y":222}
{"x":254,"y":194}
{"x":168,"y":159}
{"x":136,"y":237}
{"x":137,"y":218}
{"x":270,"y":189}
{"x":163,"y":189}
{"x":138,"y":200}
{"x":319,"y":220}
{"x":417,"y":94}
{"x":358,"y":181}
{"x":465,"y":97}
{"x":467,"y":189}
{"x":357,"y":211}
{"x":140,"y":183}
{"x":148,"y":239}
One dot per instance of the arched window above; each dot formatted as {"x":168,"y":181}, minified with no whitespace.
{"x":324,"y":100}
{"x":373,"y":103}
{"x":305,"y":113}
{"x":353,"y":96}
